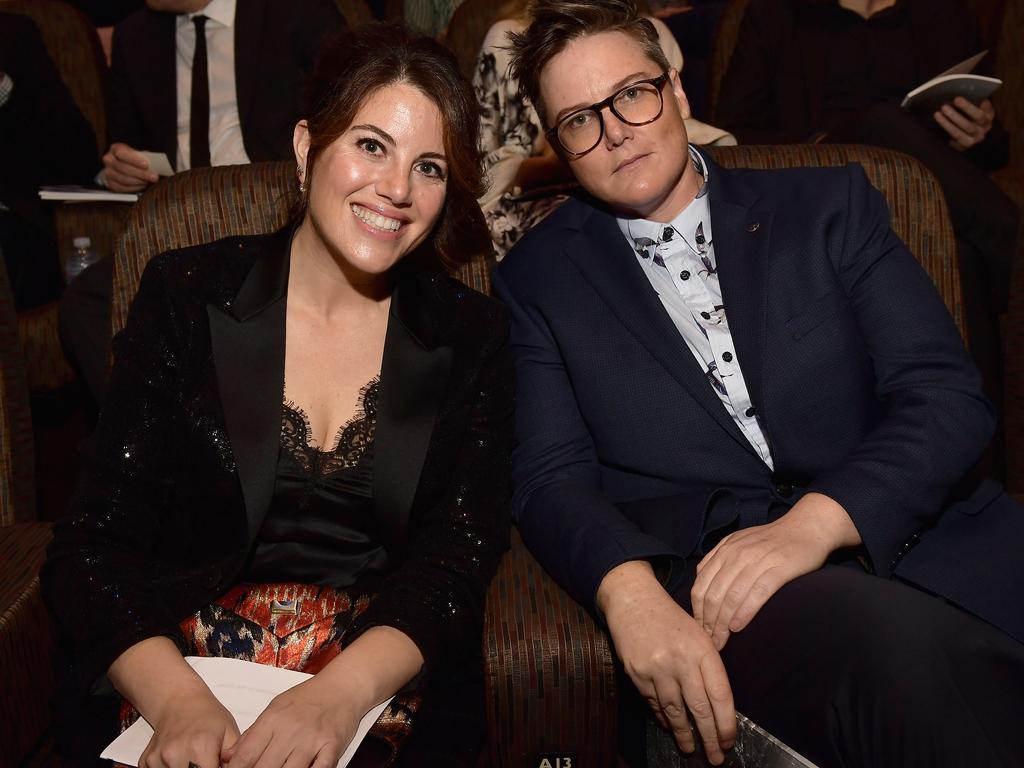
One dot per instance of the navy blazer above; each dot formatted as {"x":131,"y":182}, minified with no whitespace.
{"x":858,"y":375}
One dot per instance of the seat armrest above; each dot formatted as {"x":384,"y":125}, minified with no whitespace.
{"x":548,"y":671}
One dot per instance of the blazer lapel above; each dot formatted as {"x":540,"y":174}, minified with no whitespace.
{"x":605,"y":260}
{"x":413,"y":380}
{"x":742,"y":233}
{"x":248,"y":341}
{"x":248,"y":26}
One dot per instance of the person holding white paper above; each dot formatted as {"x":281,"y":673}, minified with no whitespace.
{"x":208,"y":82}
{"x":837,"y":70}
{"x":303,"y":458}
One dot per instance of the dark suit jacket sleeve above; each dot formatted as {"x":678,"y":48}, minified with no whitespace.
{"x":747,"y":99}
{"x":125,"y":123}
{"x":558,"y":504}
{"x":436,"y":596}
{"x":102,"y":584}
{"x":937,"y":421}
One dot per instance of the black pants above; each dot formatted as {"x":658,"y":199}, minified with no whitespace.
{"x":856,"y":671}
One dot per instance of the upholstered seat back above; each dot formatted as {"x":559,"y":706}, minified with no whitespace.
{"x":467,"y":30}
{"x":17,"y":484}
{"x":204,"y":205}
{"x":917,"y":208}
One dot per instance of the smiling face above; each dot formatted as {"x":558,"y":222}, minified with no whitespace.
{"x":640,"y":170}
{"x":377,"y":190}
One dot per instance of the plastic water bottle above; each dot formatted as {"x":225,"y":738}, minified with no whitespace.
{"x":81,"y":257}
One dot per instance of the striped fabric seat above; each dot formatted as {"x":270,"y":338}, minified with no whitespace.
{"x":204,"y":205}
{"x":26,"y":644}
{"x":17,"y":483}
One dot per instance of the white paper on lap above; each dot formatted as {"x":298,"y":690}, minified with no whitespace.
{"x":245,"y":689}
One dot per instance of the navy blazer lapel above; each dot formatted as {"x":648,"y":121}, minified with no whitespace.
{"x":248,"y":341}
{"x":413,"y":380}
{"x":248,"y":26}
{"x":741,"y":232}
{"x":604,"y":258}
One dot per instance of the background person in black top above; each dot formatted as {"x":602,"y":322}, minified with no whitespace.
{"x":219,"y":460}
{"x":837,"y":70}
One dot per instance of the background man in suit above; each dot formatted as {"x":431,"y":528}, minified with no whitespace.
{"x":255,"y":54}
{"x":735,"y":390}
{"x":232,"y":99}
{"x":837,"y":70}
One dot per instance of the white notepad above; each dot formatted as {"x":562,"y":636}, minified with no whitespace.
{"x":245,"y":689}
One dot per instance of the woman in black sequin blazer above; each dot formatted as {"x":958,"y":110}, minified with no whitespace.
{"x":206,"y":468}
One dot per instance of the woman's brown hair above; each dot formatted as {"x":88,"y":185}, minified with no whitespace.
{"x":356,"y":63}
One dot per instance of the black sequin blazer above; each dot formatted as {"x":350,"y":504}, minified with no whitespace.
{"x":180,"y":470}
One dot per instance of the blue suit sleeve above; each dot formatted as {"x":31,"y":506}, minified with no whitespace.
{"x":558,"y":504}
{"x":937,"y":421}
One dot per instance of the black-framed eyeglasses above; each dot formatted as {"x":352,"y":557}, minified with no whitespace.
{"x":638,"y":103}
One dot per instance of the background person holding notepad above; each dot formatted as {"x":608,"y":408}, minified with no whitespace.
{"x":209,"y":82}
{"x":193,"y":83}
{"x":303,"y":458}
{"x":837,"y":70}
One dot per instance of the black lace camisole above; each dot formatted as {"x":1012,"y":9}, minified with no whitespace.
{"x":319,"y":528}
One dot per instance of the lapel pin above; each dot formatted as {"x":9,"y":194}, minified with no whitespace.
{"x":753,"y":226}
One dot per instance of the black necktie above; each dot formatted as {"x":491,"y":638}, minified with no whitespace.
{"x":199,"y":121}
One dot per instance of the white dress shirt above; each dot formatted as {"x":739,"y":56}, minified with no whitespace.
{"x":226,"y":144}
{"x":679,"y":261}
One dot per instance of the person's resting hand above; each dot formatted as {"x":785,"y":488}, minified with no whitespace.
{"x":308,"y":725}
{"x":191,"y":727}
{"x":967,"y":124}
{"x":313,"y":723}
{"x":669,"y":658}
{"x":738,"y":576}
{"x":126,"y":169}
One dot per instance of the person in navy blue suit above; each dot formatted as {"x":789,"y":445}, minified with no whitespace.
{"x":745,"y":423}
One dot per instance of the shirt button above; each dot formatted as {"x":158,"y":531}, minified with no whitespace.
{"x":749,"y":413}
{"x":706,"y":315}
{"x":727,"y":356}
{"x":684,"y":275}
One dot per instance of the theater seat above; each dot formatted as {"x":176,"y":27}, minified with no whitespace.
{"x":26,"y":666}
